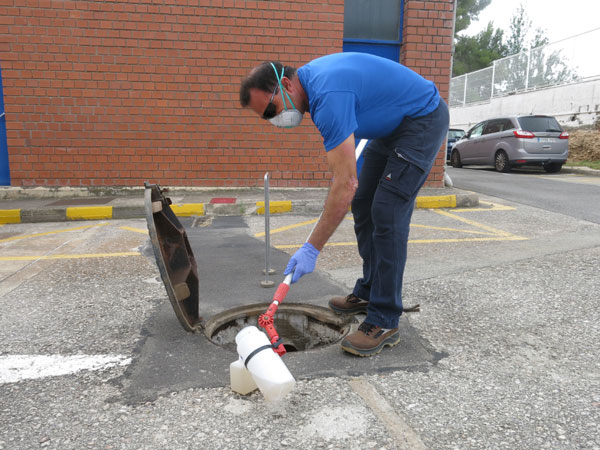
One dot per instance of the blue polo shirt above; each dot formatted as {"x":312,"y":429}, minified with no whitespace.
{"x":363,"y":94}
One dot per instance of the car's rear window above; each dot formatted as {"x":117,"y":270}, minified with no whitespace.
{"x":539,"y":124}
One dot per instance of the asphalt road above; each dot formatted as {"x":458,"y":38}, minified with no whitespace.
{"x":571,"y":194}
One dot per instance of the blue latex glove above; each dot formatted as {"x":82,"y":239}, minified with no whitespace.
{"x":302,"y":262}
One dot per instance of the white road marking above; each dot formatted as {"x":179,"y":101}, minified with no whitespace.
{"x":14,"y":368}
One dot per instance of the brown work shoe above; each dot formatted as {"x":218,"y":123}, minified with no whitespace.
{"x":349,"y":304}
{"x":369,"y":340}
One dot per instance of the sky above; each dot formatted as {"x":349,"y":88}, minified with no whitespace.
{"x":559,"y":18}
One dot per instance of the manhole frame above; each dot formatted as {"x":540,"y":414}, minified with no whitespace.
{"x":315,"y":312}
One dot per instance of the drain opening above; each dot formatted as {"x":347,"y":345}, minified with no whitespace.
{"x":301,"y":327}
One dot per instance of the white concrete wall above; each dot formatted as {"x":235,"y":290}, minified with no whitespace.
{"x":573,"y":105}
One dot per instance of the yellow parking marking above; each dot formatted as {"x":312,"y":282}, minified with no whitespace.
{"x":280,"y":206}
{"x":289,"y":227}
{"x":74,"y":256}
{"x":417,"y":241}
{"x":47,"y":233}
{"x":490,"y":207}
{"x":135,"y":230}
{"x":489,"y":233}
{"x":457,"y":230}
{"x":10,"y":216}
{"x":493,"y":230}
{"x":429,"y":227}
{"x":89,"y":212}
{"x":437,"y":241}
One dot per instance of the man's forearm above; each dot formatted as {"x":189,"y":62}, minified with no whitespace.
{"x":335,"y":209}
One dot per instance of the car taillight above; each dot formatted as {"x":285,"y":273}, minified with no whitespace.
{"x":523,"y":134}
{"x":564,"y":135}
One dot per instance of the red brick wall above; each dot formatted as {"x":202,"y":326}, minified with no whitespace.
{"x":116,"y":93}
{"x":427,"y":49}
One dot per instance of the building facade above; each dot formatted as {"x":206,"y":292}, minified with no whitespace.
{"x":117,"y":93}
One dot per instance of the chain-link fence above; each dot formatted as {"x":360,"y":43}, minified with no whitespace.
{"x":567,"y":61}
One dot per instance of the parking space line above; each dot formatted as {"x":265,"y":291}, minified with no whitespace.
{"x":451,"y":240}
{"x":493,"y":230}
{"x":288,"y":227}
{"x":329,"y":244}
{"x":417,"y":241}
{"x":457,"y":230}
{"x":67,"y":256}
{"x":489,"y":233}
{"x":491,"y":207}
{"x":15,"y":368}
{"x":47,"y":233}
{"x":135,"y":230}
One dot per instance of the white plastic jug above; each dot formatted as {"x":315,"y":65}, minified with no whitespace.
{"x":241,"y":379}
{"x":266,"y":367}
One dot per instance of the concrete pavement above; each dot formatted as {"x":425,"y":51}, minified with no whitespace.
{"x":509,"y":308}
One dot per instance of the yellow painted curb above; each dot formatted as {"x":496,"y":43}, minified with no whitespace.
{"x":89,"y":212}
{"x":10,"y":216}
{"x":280,"y":206}
{"x":436,"y":201}
{"x":188,"y":209}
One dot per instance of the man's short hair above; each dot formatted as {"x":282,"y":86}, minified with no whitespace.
{"x":263,"y":78}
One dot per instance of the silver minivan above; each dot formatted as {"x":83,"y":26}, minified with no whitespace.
{"x":514,"y":141}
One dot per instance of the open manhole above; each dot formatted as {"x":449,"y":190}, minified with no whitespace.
{"x":300,"y":326}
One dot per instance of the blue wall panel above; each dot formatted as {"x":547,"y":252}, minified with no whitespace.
{"x":4,"y":172}
{"x":389,"y":51}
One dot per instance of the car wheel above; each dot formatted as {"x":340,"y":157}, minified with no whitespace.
{"x":553,"y":167}
{"x":455,"y":159}
{"x":501,"y":162}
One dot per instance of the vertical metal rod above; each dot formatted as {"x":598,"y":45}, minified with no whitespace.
{"x":267,"y":227}
{"x":267,"y":282}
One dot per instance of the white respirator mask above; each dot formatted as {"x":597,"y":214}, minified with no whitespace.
{"x":288,"y":118}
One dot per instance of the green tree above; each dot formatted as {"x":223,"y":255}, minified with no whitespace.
{"x":532,"y":64}
{"x":468,"y":11}
{"x":476,"y":52}
{"x":537,"y":67}
{"x":520,"y":32}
